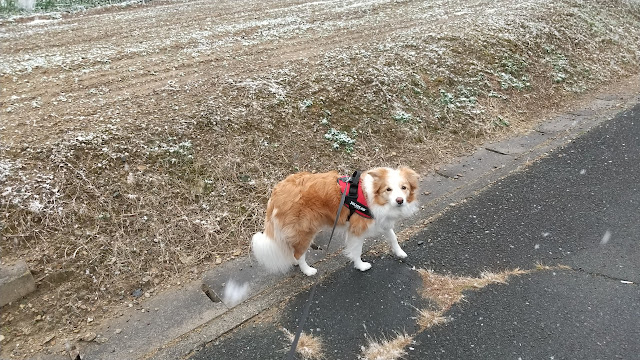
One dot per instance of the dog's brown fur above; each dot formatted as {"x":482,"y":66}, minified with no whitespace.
{"x":303,"y":204}
{"x":307,"y":202}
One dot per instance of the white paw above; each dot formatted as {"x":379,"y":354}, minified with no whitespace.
{"x":309,"y":271}
{"x":363,"y":266}
{"x":400,"y":253}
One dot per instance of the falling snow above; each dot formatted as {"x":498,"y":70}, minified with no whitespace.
{"x":235,"y":293}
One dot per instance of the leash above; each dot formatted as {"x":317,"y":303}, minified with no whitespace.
{"x":305,"y":313}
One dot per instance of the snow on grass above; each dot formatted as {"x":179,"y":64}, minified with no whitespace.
{"x":27,"y":189}
{"x":172,"y":152}
{"x":272,"y":86}
{"x":5,"y":169}
{"x":432,"y":44}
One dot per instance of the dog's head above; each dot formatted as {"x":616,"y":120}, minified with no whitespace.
{"x":394,"y":188}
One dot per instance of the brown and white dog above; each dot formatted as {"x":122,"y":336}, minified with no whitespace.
{"x":303,"y":204}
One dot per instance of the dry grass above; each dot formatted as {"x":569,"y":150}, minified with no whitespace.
{"x":309,"y":345}
{"x":447,"y":290}
{"x":541,"y":266}
{"x":386,"y":349}
{"x":429,"y":318}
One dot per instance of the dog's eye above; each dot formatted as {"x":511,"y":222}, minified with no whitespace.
{"x":388,"y":189}
{"x":404,"y":188}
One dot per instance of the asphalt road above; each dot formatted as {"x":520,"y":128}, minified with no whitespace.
{"x":579,"y":207}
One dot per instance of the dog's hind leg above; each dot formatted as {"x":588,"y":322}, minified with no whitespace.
{"x":300,"y":252}
{"x":304,"y":267}
{"x":353,"y":250}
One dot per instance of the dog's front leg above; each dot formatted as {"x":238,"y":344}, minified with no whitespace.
{"x":392,"y":240}
{"x":353,"y":250}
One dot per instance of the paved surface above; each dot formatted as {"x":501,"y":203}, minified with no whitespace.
{"x":347,"y":306}
{"x":546,"y":315}
{"x":579,"y":207}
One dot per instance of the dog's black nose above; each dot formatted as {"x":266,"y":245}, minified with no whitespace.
{"x":399,"y":200}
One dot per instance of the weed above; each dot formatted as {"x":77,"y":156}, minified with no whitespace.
{"x":401,"y":117}
{"x":446,"y":99}
{"x":513,"y":73}
{"x":305,"y":104}
{"x":171,"y":152}
{"x":559,"y":63}
{"x":501,"y":122}
{"x":463,"y":103}
{"x":8,"y":7}
{"x":508,"y":81}
{"x":341,"y":139}
{"x":513,"y":64}
{"x":48,"y":5}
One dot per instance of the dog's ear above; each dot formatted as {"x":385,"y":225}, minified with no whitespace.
{"x":378,"y":175}
{"x":411,"y":176}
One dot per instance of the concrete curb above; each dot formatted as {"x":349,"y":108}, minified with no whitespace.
{"x":173,"y":324}
{"x":16,"y":281}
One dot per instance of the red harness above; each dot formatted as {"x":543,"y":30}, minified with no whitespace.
{"x":354,"y":199}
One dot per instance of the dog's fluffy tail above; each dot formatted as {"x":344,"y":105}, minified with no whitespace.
{"x":274,"y":255}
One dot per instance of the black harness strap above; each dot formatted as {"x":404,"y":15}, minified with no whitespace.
{"x":351,"y":201}
{"x":355,"y":179}
{"x":353,"y":192}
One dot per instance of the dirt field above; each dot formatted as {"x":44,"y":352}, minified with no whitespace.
{"x":138,"y":143}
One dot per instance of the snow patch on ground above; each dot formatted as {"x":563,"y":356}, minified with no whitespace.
{"x":28,"y":189}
